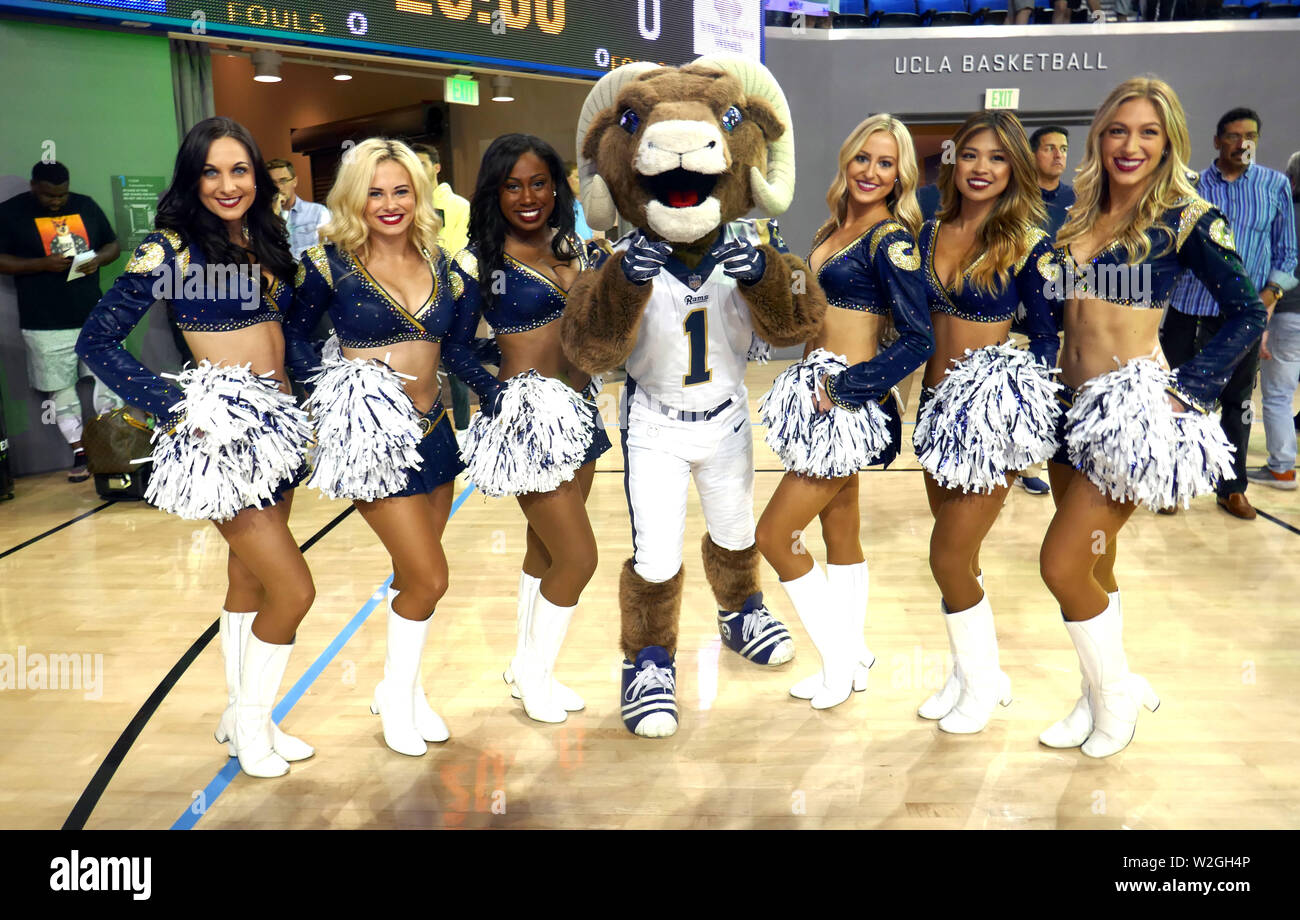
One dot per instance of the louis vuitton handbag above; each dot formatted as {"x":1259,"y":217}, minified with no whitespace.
{"x":111,"y":442}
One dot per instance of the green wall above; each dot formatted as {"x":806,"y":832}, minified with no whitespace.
{"x":105,"y":100}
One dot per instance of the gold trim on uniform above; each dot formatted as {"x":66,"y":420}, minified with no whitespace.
{"x":1036,"y":236}
{"x":147,"y":257}
{"x":885,"y":228}
{"x":468,"y":264}
{"x":830,"y":394}
{"x":321,"y":261}
{"x":300,"y":275}
{"x":457,"y":285}
{"x":1194,"y":210}
{"x":1049,"y":268}
{"x":903,"y":254}
{"x":1221,"y":233}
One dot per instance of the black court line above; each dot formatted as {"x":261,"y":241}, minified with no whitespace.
{"x":54,"y":530}
{"x":94,"y":790}
{"x":1269,"y":517}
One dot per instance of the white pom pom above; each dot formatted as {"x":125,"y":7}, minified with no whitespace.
{"x":1131,"y":444}
{"x":367,"y":429}
{"x":993,"y":413}
{"x":239,"y":440}
{"x":826,"y":445}
{"x":536,"y":440}
{"x":760,"y":352}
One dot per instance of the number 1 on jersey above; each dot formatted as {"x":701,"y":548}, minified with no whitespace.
{"x":696,"y":328}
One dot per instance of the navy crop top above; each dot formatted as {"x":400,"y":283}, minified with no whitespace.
{"x":527,"y":300}
{"x":364,"y":315}
{"x":1193,"y":236}
{"x":880,"y":273}
{"x":200,"y":298}
{"x":1034,"y":279}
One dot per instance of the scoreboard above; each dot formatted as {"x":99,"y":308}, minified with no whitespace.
{"x":581,"y":38}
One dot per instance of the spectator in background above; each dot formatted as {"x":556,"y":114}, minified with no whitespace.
{"x":41,"y":232}
{"x":1051,"y":146}
{"x":927,"y":196}
{"x":1279,"y":370}
{"x":453,"y":237}
{"x":1257,"y":203}
{"x":1024,"y":11}
{"x":453,"y":209}
{"x":303,"y":218}
{"x":580,"y":226}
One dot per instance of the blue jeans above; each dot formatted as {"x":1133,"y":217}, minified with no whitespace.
{"x":1278,"y":377}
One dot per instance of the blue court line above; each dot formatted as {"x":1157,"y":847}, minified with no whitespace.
{"x":213,"y":790}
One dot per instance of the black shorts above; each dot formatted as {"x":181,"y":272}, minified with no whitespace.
{"x":599,"y":440}
{"x":439,"y":451}
{"x":1064,"y":396}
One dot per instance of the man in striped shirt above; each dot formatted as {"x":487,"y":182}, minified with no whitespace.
{"x":1257,"y":202}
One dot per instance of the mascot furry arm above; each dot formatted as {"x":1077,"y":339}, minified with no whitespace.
{"x":679,"y":152}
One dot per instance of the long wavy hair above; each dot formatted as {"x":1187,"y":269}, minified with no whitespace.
{"x":901,"y":200}
{"x":1005,"y":236}
{"x":488,"y":226}
{"x":347,"y":199}
{"x":180,"y":209}
{"x":1166,"y":187}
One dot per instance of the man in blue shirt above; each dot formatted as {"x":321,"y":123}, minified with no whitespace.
{"x":303,"y":217}
{"x":1257,"y":202}
{"x":1051,"y":146}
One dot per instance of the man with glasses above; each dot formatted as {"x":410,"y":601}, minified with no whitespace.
{"x":303,"y":217}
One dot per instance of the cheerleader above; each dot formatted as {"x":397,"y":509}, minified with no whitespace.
{"x":535,"y":437}
{"x":988,"y":409}
{"x":833,"y":412}
{"x":385,"y":441}
{"x":1134,"y":433}
{"x":229,"y":443}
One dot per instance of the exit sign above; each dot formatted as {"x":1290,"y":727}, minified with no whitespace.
{"x":1001,"y":99}
{"x":461,"y":90}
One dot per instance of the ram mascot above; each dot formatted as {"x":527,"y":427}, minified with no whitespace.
{"x":683,"y":153}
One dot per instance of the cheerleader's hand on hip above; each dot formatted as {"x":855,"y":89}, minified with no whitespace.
{"x":643,"y":259}
{"x":740,"y":260}
{"x":490,"y":402}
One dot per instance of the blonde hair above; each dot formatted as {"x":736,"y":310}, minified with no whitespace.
{"x":1004,"y":238}
{"x":347,"y":199}
{"x":901,"y":199}
{"x":1166,"y":187}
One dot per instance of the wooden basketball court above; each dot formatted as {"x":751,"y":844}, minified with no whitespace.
{"x":1210,"y":609}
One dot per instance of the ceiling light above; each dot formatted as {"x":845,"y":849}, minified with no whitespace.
{"x":341,"y":75}
{"x":501,"y":89}
{"x":266,"y":66}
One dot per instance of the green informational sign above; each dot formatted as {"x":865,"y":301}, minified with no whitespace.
{"x":135,"y":202}
{"x":461,"y":90}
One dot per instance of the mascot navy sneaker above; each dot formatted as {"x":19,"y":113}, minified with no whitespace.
{"x":755,"y":634}
{"x":650,"y":693}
